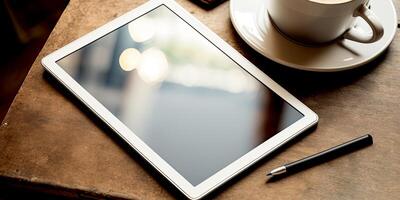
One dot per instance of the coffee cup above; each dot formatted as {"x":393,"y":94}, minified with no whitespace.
{"x":321,"y":21}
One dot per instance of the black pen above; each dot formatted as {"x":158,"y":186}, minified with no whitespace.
{"x":323,"y":156}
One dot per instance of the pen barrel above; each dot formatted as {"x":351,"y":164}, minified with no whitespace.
{"x":329,"y":154}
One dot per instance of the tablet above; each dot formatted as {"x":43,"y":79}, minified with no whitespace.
{"x":192,"y":106}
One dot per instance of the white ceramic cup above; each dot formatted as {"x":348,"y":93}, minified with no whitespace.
{"x":320,"y":21}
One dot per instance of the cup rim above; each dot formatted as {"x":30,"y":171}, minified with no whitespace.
{"x":320,"y":3}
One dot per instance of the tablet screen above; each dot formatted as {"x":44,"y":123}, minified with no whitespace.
{"x":187,"y":100}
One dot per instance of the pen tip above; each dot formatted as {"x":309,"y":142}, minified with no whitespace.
{"x":269,"y":174}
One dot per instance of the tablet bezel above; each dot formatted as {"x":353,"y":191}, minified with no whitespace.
{"x":193,"y":192}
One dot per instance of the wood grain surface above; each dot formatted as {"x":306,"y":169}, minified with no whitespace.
{"x":49,"y":141}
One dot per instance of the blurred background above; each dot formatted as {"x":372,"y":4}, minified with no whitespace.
{"x":25,"y":27}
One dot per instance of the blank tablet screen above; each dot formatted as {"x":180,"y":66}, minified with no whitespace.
{"x":188,"y":101}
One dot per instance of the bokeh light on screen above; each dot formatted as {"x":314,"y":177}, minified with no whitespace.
{"x":237,"y":81}
{"x":230,"y":80}
{"x":154,"y":66}
{"x":130,"y":59}
{"x":141,"y":29}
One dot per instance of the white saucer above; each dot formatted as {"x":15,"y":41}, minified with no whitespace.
{"x":251,"y":21}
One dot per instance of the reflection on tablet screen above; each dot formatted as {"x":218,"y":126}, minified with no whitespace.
{"x":187,"y":100}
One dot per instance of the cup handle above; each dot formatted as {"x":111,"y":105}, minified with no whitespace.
{"x":359,"y":35}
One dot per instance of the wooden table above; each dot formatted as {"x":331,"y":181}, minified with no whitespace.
{"x":48,"y":141}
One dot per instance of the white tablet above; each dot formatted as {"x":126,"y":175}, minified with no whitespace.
{"x":186,"y":101}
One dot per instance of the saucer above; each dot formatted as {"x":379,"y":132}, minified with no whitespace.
{"x":251,"y":21}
